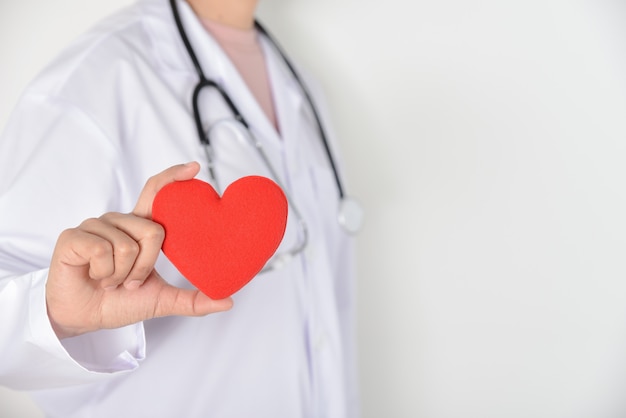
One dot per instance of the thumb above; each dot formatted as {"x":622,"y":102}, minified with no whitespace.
{"x":185,"y":302}
{"x":155,"y":183}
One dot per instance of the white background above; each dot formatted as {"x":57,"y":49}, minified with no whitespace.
{"x":487,"y":140}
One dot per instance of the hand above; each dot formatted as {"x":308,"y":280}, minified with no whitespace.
{"x":102,"y":273}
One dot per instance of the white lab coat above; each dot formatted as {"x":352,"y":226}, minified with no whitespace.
{"x":111,"y":111}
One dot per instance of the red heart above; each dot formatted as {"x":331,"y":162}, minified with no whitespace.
{"x":220,"y":244}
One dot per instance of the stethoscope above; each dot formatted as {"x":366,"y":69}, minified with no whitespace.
{"x":350,"y":212}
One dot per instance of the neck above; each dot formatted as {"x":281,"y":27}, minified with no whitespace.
{"x":236,"y":13}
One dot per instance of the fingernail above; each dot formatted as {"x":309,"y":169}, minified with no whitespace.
{"x":132,"y":285}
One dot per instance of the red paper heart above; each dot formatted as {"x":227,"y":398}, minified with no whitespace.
{"x":220,"y":244}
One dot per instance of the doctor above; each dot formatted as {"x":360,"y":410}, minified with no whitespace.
{"x":95,"y":321}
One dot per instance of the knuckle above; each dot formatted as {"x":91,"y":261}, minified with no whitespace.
{"x":89,"y":223}
{"x":66,"y":238}
{"x":109,"y":216}
{"x":101,"y":248}
{"x":127,"y":249}
{"x":155,"y":232}
{"x":68,"y":234}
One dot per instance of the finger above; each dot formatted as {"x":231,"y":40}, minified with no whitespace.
{"x":80,"y":248}
{"x":185,"y":302}
{"x":148,"y":236}
{"x":155,"y":183}
{"x":113,"y":262}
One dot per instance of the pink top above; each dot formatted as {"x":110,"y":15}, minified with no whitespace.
{"x":244,"y":50}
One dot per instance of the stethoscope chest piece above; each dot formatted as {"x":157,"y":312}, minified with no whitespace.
{"x":350,"y":215}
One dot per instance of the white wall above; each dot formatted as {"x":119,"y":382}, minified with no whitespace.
{"x":487,"y":140}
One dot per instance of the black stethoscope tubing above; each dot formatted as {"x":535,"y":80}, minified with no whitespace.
{"x":205,"y":82}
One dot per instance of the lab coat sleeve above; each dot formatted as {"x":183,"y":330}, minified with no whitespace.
{"x":56,"y":169}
